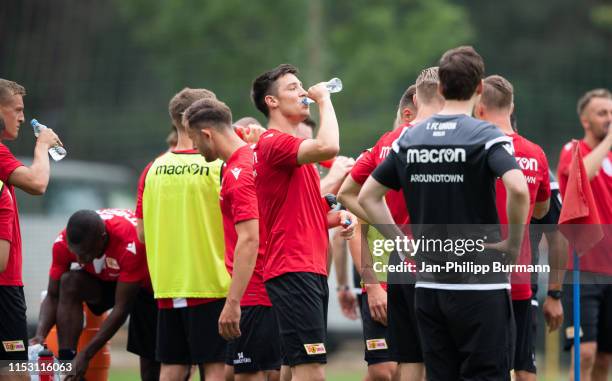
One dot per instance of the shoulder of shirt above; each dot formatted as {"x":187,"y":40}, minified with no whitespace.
{"x":530,"y":145}
{"x":486,"y":128}
{"x":568,"y":146}
{"x":384,"y":137}
{"x":265,"y":138}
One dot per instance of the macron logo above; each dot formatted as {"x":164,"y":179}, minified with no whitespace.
{"x":527,"y":163}
{"x":131,"y":247}
{"x":442,"y":155}
{"x":236,"y":172}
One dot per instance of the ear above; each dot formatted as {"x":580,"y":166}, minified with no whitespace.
{"x":479,"y":87}
{"x":479,"y":110}
{"x":415,"y":101}
{"x":584,"y":121}
{"x":407,"y":114}
{"x":271,"y":101}
{"x":511,"y":108}
{"x":206,"y":133}
{"x":440,"y":89}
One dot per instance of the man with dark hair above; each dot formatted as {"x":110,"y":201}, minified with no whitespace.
{"x":247,"y":319}
{"x":396,"y":299}
{"x":111,"y":274}
{"x":447,"y":166}
{"x":293,"y":214}
{"x":496,"y":105}
{"x":33,"y":180}
{"x":180,"y":220}
{"x":595,"y":113}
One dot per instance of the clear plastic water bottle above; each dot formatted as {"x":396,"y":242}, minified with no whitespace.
{"x":57,"y":153}
{"x":334,"y":85}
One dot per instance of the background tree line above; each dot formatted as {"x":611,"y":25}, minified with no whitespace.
{"x":101,"y":72}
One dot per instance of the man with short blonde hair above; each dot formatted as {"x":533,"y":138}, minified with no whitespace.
{"x":496,"y":105}
{"x":33,"y":180}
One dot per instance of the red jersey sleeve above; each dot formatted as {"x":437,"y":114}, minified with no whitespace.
{"x":8,"y":163}
{"x":133,"y":265}
{"x":62,"y":258}
{"x":544,"y":189}
{"x":281,"y":150}
{"x":563,"y":170}
{"x":363,"y":167}
{"x":141,"y":186}
{"x":7,"y":215}
{"x":244,"y":199}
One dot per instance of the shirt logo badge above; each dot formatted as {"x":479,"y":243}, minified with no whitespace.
{"x":13,"y":346}
{"x":315,"y":349}
{"x":131,"y":247}
{"x":509,"y":148}
{"x":236,"y":172}
{"x":376,"y":344}
{"x":112,"y":263}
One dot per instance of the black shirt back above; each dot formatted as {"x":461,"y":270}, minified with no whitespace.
{"x":446,"y":167}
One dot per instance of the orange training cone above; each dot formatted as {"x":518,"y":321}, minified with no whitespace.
{"x":99,"y":365}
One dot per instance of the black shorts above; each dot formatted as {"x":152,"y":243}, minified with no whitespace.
{"x":142,"y":329}
{"x":466,"y":334}
{"x":404,"y":340}
{"x":595,"y":313}
{"x":299,"y":301}
{"x":524,"y":350}
{"x":258,"y":348}
{"x":13,"y":324}
{"x":190,"y":335}
{"x":107,"y":300}
{"x":374,"y":335}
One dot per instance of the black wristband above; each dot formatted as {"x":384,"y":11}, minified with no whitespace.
{"x":555,"y":294}
{"x":343,"y":288}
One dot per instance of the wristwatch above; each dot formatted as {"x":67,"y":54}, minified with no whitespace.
{"x":555,"y":294}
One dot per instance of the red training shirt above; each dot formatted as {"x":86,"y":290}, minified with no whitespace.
{"x":532,"y":160}
{"x":124,"y":260}
{"x":599,"y":258}
{"x":7,"y":216}
{"x":12,"y":275}
{"x":367,"y":163}
{"x":239,"y":203}
{"x":290,"y":206}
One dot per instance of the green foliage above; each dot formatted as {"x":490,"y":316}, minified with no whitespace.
{"x":552,"y":53}
{"x":377,"y":49}
{"x":602,"y":16}
{"x":101,"y":72}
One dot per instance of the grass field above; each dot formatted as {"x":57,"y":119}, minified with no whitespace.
{"x":132,"y":375}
